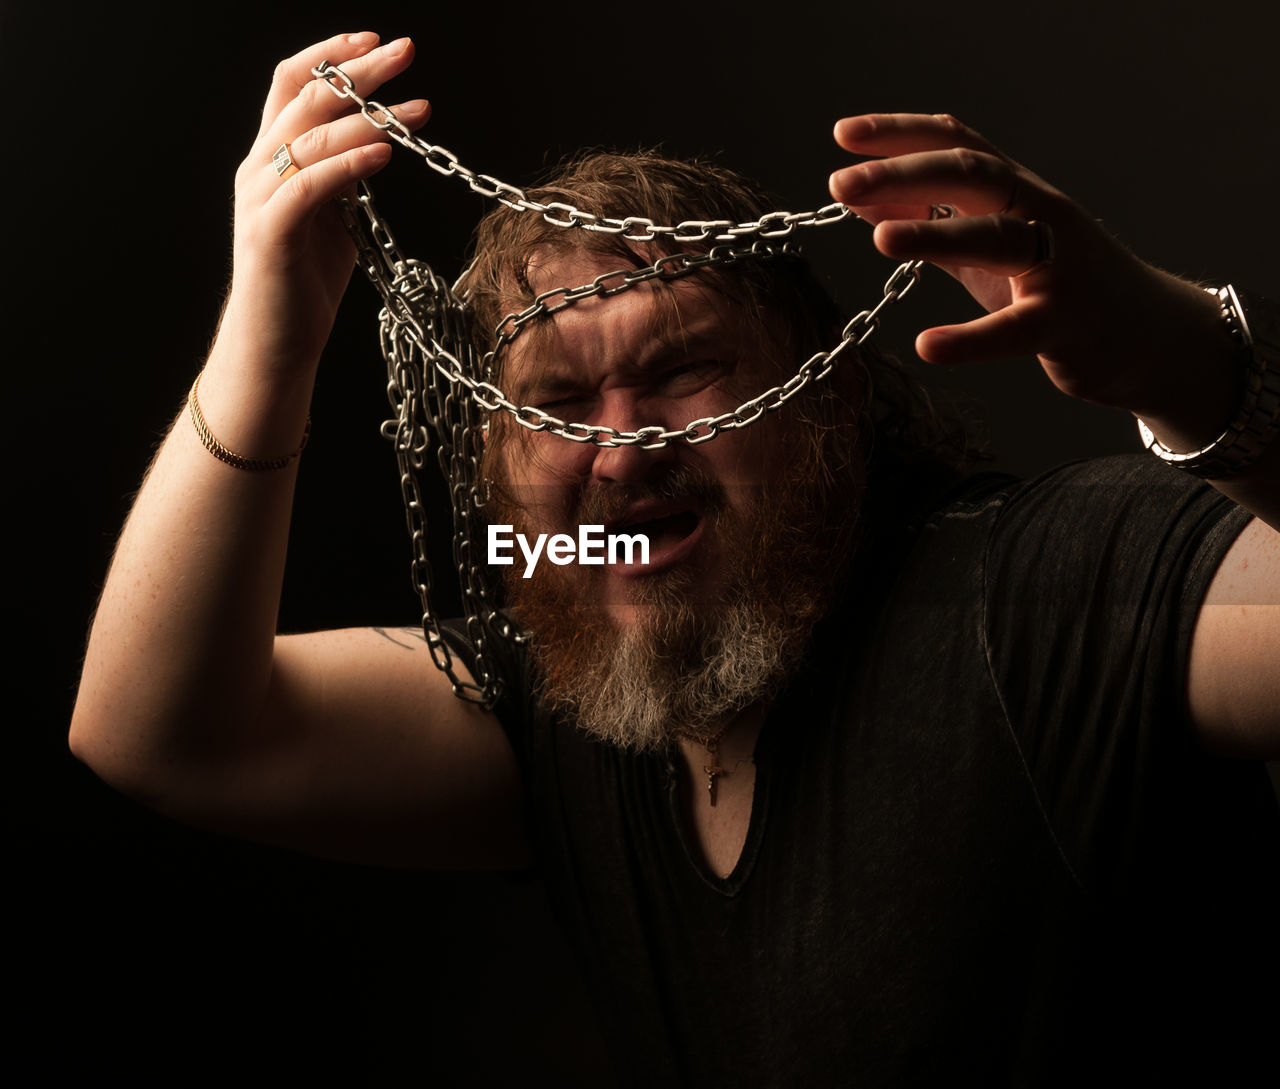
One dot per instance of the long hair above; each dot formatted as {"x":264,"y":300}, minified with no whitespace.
{"x":779,"y":301}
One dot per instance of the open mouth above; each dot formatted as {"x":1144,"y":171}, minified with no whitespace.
{"x":664,"y":532}
{"x":673,"y":537}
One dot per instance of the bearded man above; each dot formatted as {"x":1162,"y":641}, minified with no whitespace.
{"x":874,"y":772}
{"x":744,"y":545}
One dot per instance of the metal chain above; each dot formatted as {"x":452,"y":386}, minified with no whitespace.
{"x":705,"y":428}
{"x":419,"y":308}
{"x":632,"y":228}
{"x":436,"y":385}
{"x":769,"y":226}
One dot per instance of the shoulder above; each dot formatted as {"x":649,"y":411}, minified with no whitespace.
{"x":504,"y":655}
{"x":1128,"y":514}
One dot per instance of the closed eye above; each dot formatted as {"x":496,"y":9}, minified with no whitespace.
{"x":558,"y":405}
{"x":682,"y":380}
{"x":692,"y":377}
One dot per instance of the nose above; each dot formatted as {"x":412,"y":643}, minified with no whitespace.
{"x":632,"y":464}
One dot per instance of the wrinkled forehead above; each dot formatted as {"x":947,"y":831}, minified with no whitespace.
{"x":551,"y":267}
{"x":657,"y":316}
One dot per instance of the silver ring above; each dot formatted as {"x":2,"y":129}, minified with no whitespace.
{"x":1044,"y":248}
{"x":282,"y":160}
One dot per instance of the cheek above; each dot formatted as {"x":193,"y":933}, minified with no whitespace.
{"x":538,"y":504}
{"x":751,"y":457}
{"x":536,"y":470}
{"x":554,"y":460}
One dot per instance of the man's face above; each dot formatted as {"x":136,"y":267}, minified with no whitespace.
{"x":740,"y":555}
{"x":650,"y":356}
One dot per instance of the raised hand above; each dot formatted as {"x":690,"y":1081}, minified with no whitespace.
{"x":292,"y":256}
{"x":1106,"y":326}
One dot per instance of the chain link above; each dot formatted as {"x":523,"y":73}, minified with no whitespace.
{"x":431,"y":362}
{"x":419,"y":309}
{"x":631,"y":228}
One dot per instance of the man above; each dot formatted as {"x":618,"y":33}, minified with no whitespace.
{"x":868,"y":774}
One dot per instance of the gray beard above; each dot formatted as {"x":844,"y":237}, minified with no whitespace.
{"x":676,"y":671}
{"x":681,"y":666}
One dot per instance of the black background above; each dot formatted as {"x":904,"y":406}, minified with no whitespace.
{"x":163,"y":953}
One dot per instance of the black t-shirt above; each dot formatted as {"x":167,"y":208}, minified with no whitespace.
{"x":983,"y":847}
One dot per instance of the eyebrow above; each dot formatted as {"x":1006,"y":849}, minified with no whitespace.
{"x":554,"y":378}
{"x":548,"y":387}
{"x":683,"y":341}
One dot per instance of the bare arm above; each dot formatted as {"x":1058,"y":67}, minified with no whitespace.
{"x":341,"y":743}
{"x":1235,"y":654}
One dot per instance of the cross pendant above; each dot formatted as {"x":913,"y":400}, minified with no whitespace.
{"x":714,"y":772}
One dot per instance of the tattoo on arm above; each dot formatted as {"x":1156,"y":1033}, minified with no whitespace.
{"x":408,"y":633}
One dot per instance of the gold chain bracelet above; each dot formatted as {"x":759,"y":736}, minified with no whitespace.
{"x":230,"y":457}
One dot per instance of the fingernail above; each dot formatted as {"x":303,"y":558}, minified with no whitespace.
{"x":857,"y":128}
{"x":897,"y":238}
{"x":850,"y":181}
{"x":398,"y":46}
{"x":365,"y":39}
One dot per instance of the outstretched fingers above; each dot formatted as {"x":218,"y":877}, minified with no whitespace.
{"x":899,"y":133}
{"x":330,"y":159}
{"x":331,"y":146}
{"x":314,"y":103}
{"x":1053,"y":281}
{"x":1000,"y":244}
{"x":353,"y":131}
{"x":301,"y":195}
{"x":929,"y":159}
{"x":293,"y":74}
{"x":878,"y":213}
{"x":973,"y":182}
{"x":1015,"y":330}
